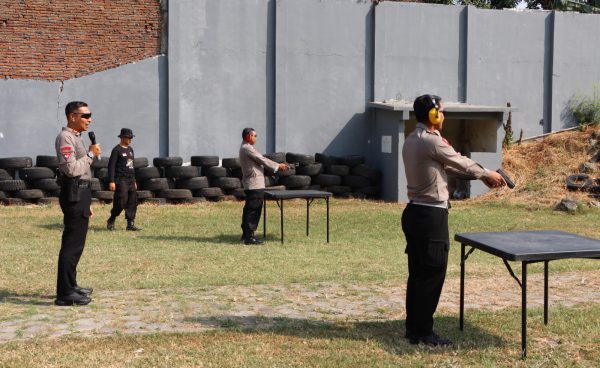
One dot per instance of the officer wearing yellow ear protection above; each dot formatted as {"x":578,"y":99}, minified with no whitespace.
{"x":427,"y":160}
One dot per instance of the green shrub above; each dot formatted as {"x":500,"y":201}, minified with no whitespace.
{"x":585,"y":109}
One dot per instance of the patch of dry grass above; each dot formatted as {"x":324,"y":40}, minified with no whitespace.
{"x":540,"y":167}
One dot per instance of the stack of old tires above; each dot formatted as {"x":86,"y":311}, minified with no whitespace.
{"x":348,"y":176}
{"x":23,"y":183}
{"x":157,"y":184}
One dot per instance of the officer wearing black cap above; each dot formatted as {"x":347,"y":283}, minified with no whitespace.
{"x":121,"y":180}
{"x":75,"y":200}
{"x":428,"y":158}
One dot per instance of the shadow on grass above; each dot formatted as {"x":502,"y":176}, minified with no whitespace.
{"x":53,"y":226}
{"x":389,"y":333}
{"x":8,"y":296}
{"x":232,"y":239}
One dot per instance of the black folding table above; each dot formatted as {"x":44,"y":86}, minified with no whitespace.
{"x":280,"y":195}
{"x":525,"y":247}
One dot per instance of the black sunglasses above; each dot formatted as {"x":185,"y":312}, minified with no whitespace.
{"x":85,"y":116}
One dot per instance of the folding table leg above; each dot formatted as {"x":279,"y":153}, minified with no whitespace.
{"x":524,"y":310}
{"x":462,"y":287}
{"x":546,"y":292}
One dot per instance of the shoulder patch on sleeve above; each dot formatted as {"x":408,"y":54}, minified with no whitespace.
{"x":66,"y":151}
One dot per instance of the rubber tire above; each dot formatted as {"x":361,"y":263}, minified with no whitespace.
{"x":196,"y":183}
{"x":355,"y":181}
{"x":167,"y":161}
{"x":327,"y":180}
{"x":28,"y":194}
{"x":101,"y":163}
{"x":145,"y":173}
{"x":46,"y":161}
{"x":12,"y":185}
{"x":174,"y":193}
{"x":144,"y":194}
{"x":326,"y":159}
{"x":310,"y":170}
{"x":205,"y":161}
{"x":209,"y":192}
{"x":578,"y":182}
{"x":301,"y":158}
{"x":35,"y":173}
{"x":48,"y":184}
{"x":140,"y":162}
{"x":352,"y":160}
{"x":95,"y":184}
{"x":237,"y":173}
{"x":101,"y":173}
{"x":337,"y":189}
{"x":226,"y":183}
{"x":340,"y":170}
{"x":231,"y":163}
{"x":15,"y":162}
{"x":295,"y":181}
{"x":181,"y":172}
{"x":4,"y":175}
{"x":105,"y":195}
{"x":271,"y":181}
{"x":155,"y":184}
{"x":366,"y":171}
{"x":278,"y":157}
{"x":215,"y":172}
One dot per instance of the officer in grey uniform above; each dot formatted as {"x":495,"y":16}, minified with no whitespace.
{"x":75,"y":200}
{"x":428,"y":158}
{"x":253,"y":180}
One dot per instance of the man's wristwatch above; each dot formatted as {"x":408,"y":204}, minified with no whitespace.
{"x":90,"y":155}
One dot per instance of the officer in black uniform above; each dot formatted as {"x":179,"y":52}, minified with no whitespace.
{"x":75,"y":200}
{"x":121,"y":180}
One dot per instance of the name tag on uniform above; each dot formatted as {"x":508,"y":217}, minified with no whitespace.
{"x":124,"y":154}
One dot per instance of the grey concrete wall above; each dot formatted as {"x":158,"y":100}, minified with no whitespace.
{"x":575,"y":62}
{"x":218,"y":75}
{"x":29,"y":117}
{"x":504,"y":65}
{"x":322,"y":76}
{"x":418,"y":50}
{"x":133,"y":95}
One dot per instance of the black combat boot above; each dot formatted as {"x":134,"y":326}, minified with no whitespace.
{"x":110,"y":223}
{"x":131,"y":226}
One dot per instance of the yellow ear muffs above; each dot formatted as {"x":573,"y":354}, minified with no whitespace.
{"x":434,"y":116}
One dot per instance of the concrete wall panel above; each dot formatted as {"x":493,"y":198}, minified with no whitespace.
{"x":131,"y":96}
{"x":576,"y":56}
{"x":322,"y":80}
{"x":29,"y":117}
{"x":504,"y":65}
{"x":217,"y":75}
{"x":418,"y":50}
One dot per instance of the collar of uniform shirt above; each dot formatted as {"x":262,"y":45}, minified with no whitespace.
{"x":73,"y":131}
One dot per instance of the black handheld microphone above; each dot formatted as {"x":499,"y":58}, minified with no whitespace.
{"x":92,"y":136}
{"x":506,"y":178}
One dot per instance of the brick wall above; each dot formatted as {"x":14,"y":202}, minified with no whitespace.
{"x":63,"y":39}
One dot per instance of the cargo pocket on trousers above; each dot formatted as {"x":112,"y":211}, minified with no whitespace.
{"x":437,"y":254}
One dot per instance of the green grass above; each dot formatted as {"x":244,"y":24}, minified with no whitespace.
{"x":195,"y":246}
{"x":489,"y":340}
{"x":184,"y":246}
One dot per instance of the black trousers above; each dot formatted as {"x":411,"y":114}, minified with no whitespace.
{"x":76,"y":220}
{"x":426,"y":232}
{"x":252,"y":211}
{"x":125,"y":199}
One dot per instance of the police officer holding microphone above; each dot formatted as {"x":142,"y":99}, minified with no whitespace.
{"x":428,"y":158}
{"x":75,"y":200}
